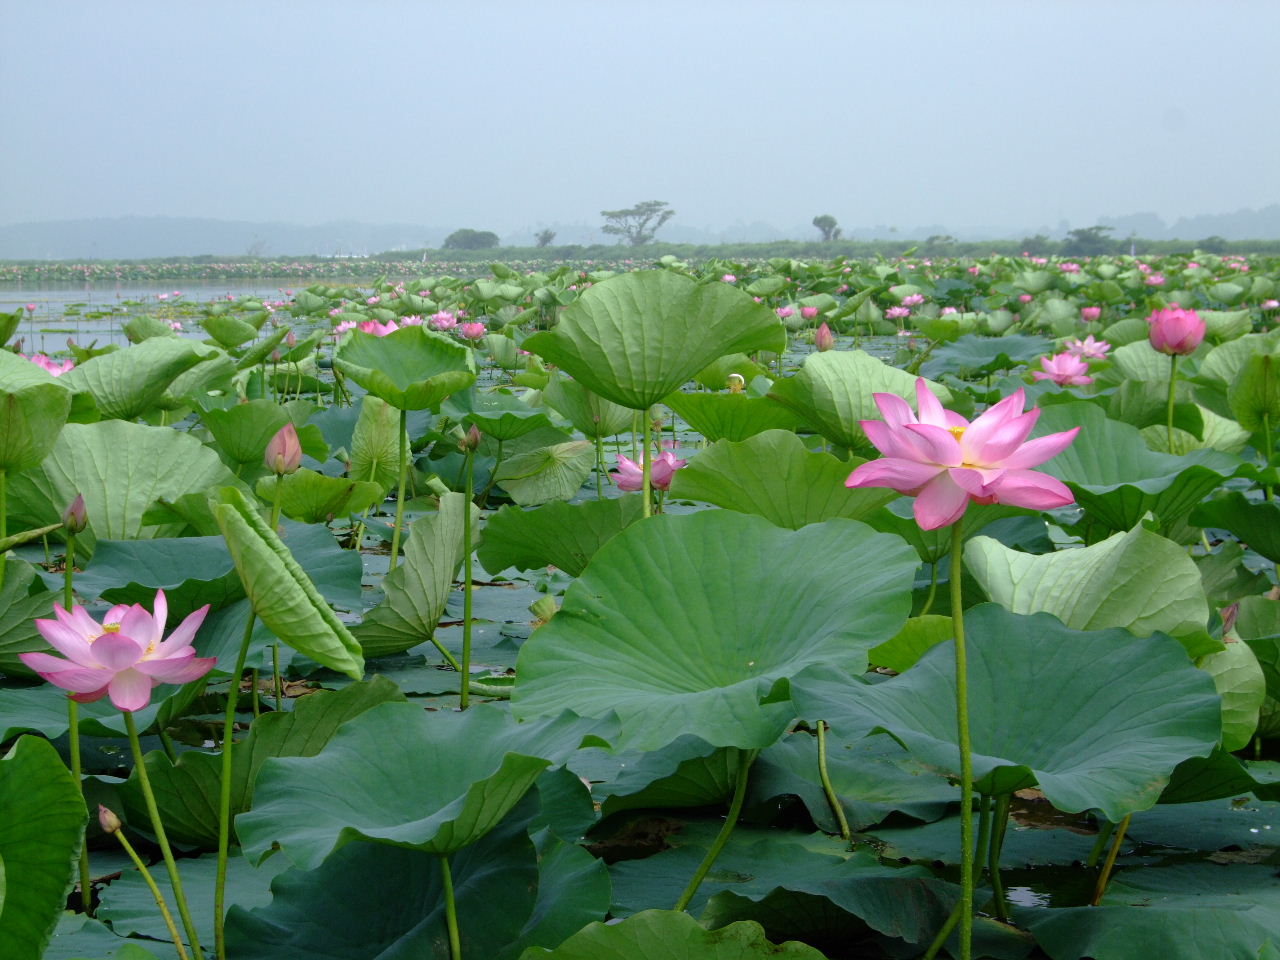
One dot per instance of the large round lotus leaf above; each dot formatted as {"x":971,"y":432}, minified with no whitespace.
{"x":974,"y":356}
{"x":33,"y":407}
{"x":565,"y":535}
{"x":497,"y":415}
{"x":637,"y":337}
{"x":121,"y":469}
{"x":399,"y":775}
{"x":40,"y":837}
{"x":129,"y":382}
{"x":677,"y":936}
{"x":1117,"y":479}
{"x":411,"y":369}
{"x":773,"y":475}
{"x":1137,"y":580}
{"x":312,"y":497}
{"x":731,"y":416}
{"x":590,"y":414}
{"x":835,"y":390}
{"x":684,"y":624}
{"x":1256,"y":522}
{"x":1039,"y":712}
{"x":1189,"y":910}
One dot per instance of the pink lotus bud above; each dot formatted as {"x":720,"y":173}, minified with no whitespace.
{"x":913,"y":300}
{"x":75,"y":518}
{"x":109,"y":822}
{"x":784,"y":312}
{"x":808,"y":313}
{"x":290,"y":340}
{"x":31,"y":308}
{"x":823,"y":338}
{"x":1176,"y":331}
{"x":1025,"y":298}
{"x":284,"y":452}
{"x":1090,"y":314}
{"x":470,"y":440}
{"x":729,"y":278}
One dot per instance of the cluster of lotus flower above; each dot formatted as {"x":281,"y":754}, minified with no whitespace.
{"x":1172,"y":331}
{"x":442,"y":321}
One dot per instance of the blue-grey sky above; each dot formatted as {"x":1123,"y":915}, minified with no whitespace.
{"x":502,"y":115}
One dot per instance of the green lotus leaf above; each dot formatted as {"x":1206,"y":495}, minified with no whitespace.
{"x":1137,"y":580}
{"x":973,"y":356}
{"x":731,"y":416}
{"x":591,"y":415}
{"x":688,"y":772}
{"x":243,"y":430}
{"x":412,"y":368}
{"x":1141,"y":361}
{"x":211,"y":376}
{"x":1224,"y":362}
{"x":261,"y":350}
{"x":21,"y":601}
{"x":1025,"y":847}
{"x":833,"y":391}
{"x":187,"y":791}
{"x":1037,"y":714}
{"x":120,"y":469}
{"x":397,"y":775}
{"x":1254,"y":394}
{"x":40,"y":837}
{"x":498,"y":415}
{"x":918,"y":634}
{"x":34,"y":405}
{"x":556,"y":534}
{"x":375,"y":443}
{"x":129,"y":382}
{"x":419,"y":588}
{"x":1118,"y":480}
{"x":312,"y":497}
{"x":898,"y":517}
{"x":637,"y":337}
{"x":684,"y":624}
{"x":283,"y":596}
{"x":1243,"y":687}
{"x":773,"y":475}
{"x":1211,"y":910}
{"x":549,"y":473}
{"x":192,"y":571}
{"x":229,"y":331}
{"x":715,"y":375}
{"x":1255,"y":522}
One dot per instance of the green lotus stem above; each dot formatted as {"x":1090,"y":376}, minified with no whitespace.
{"x":962,"y":730}
{"x":933,"y":590}
{"x":157,"y":827}
{"x":404,"y":474}
{"x":493,"y":477}
{"x":634,"y":431}
{"x":4,"y":503}
{"x":465,"y":695}
{"x":1105,"y":877}
{"x":275,"y":647}
{"x":155,"y":892}
{"x":646,"y":468}
{"x":836,"y":807}
{"x":984,"y":829}
{"x":999,"y":824}
{"x":599,"y":467}
{"x":275,"y":673}
{"x":1173,"y":379}
{"x":253,"y":679}
{"x":224,"y":794}
{"x":1266,"y":432}
{"x":450,"y":908}
{"x":73,"y":729}
{"x":945,"y":932}
{"x":745,"y":759}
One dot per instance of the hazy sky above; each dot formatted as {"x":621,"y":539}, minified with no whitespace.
{"x":500,"y":115}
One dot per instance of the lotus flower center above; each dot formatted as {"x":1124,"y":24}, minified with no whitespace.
{"x":110,"y":628}
{"x":957,"y":432}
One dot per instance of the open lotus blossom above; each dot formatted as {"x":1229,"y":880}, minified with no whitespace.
{"x":913,"y":300}
{"x":784,"y":312}
{"x":444,"y":320}
{"x":343,"y":327}
{"x":1090,"y":314}
{"x":379,"y":329}
{"x":945,"y":462}
{"x":808,"y":313}
{"x":1069,"y":267}
{"x":1064,"y":369}
{"x":472,"y":331}
{"x":1088,"y":348}
{"x":1271,"y":304}
{"x":631,"y":474}
{"x":898,"y":313}
{"x":123,"y":657}
{"x":729,"y":278}
{"x":1175,"y":331}
{"x":50,"y":365}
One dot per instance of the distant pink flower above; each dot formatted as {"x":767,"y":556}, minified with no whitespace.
{"x":175,"y":324}
{"x":379,"y":329}
{"x":31,"y":308}
{"x":335,"y":311}
{"x":947,"y":310}
{"x":1155,"y":280}
{"x":471,"y":331}
{"x":1088,"y":348}
{"x":913,"y":300}
{"x":1090,"y":314}
{"x":808,"y":313}
{"x":124,"y":657}
{"x":784,"y":312}
{"x":898,"y":313}
{"x":729,"y":278}
{"x":1142,"y":267}
{"x":1175,"y":331}
{"x":1069,"y":267}
{"x":343,"y":327}
{"x":1064,"y":369}
{"x":162,"y":296}
{"x":1192,"y":266}
{"x":1025,"y":298}
{"x":373,"y":301}
{"x":1040,"y":260}
{"x":975,"y":269}
{"x":631,"y":474}
{"x":1270,"y":304}
{"x":823,"y":338}
{"x":945,"y":462}
{"x":50,"y":365}
{"x":411,"y":320}
{"x":444,"y":320}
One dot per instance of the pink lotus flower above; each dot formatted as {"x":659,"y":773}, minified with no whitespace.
{"x":631,"y":474}
{"x":343,"y":327}
{"x":1175,"y":331}
{"x":379,"y":329}
{"x":1064,"y":369}
{"x":162,"y":296}
{"x":1025,"y":298}
{"x":729,"y":278}
{"x":947,"y":310}
{"x":444,"y":320}
{"x":913,"y":300}
{"x":472,"y":331}
{"x":1155,"y":280}
{"x":945,"y":462}
{"x":124,"y":657}
{"x":284,"y":451}
{"x":31,"y":308}
{"x":1088,"y":348}
{"x":50,"y":365}
{"x":784,"y":312}
{"x":1270,"y":304}
{"x":898,"y":313}
{"x":373,"y":301}
{"x":975,"y":269}
{"x":808,"y":313}
{"x":1069,"y":267}
{"x":411,"y":320}
{"x":1090,"y":314}
{"x":823,"y":338}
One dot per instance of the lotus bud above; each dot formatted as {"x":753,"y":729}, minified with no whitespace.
{"x":823,"y":338}
{"x":470,"y":441}
{"x":109,"y":822}
{"x":284,"y":452}
{"x":808,"y":313}
{"x":75,"y":518}
{"x":1229,"y":615}
{"x":543,"y":609}
{"x":737,"y":383}
{"x":290,"y":340}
